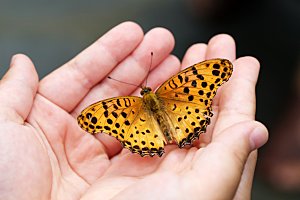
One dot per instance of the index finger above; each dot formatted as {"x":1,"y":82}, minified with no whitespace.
{"x":67,"y":85}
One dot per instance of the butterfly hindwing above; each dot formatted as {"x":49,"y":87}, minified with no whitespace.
{"x":125,"y":119}
{"x":145,"y":136}
{"x":188,"y":120}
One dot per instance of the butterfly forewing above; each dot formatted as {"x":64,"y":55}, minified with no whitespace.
{"x":187,"y":97}
{"x":112,"y":116}
{"x":198,"y":82}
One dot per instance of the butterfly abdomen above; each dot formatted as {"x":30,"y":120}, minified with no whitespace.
{"x":156,"y":109}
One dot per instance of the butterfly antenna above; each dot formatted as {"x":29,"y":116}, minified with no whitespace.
{"x":149,"y":68}
{"x":122,"y":81}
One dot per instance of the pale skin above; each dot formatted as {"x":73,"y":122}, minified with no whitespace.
{"x":45,"y":155}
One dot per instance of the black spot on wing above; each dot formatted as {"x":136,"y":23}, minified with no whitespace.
{"x":200,"y":92}
{"x":180,"y":78}
{"x":105,"y":113}
{"x":199,"y":76}
{"x":223,"y":75}
{"x":94,"y":120}
{"x":118,"y":102}
{"x":172,"y":84}
{"x":109,"y":121}
{"x":124,"y":114}
{"x":114,"y":114}
{"x":194,"y":83}
{"x":88,"y":115}
{"x":216,"y":72}
{"x":186,"y":90}
{"x":216,"y":66}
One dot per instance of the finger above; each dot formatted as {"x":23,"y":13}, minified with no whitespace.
{"x":17,"y":89}
{"x":70,"y":83}
{"x":227,"y":153}
{"x":161,"y":73}
{"x":237,"y":101}
{"x":111,"y":145}
{"x":221,"y":46}
{"x":134,"y":68}
{"x":245,"y":186}
{"x":241,"y":88}
{"x":196,"y":53}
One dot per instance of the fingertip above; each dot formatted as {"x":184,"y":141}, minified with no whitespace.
{"x":19,"y":57}
{"x":259,"y":136}
{"x":194,"y":54}
{"x":173,"y":60}
{"x":158,"y":40}
{"x":247,"y":67}
{"x":127,"y":34}
{"x":132,"y":24}
{"x":132,"y":27}
{"x":196,"y":48}
{"x":249,"y":60}
{"x":223,"y":37}
{"x":169,"y":67}
{"x":163,"y":32}
{"x":23,"y":64}
{"x":162,"y":35}
{"x":221,"y":46}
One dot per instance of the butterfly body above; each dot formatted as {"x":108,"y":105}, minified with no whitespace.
{"x":155,"y":108}
{"x":177,"y":112}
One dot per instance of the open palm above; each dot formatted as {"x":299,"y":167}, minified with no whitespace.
{"x":45,"y":155}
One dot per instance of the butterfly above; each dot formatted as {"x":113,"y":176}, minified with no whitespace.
{"x":177,"y":112}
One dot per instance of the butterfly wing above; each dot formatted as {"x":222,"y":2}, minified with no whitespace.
{"x":126,"y":119}
{"x":145,"y":135}
{"x":187,"y":97}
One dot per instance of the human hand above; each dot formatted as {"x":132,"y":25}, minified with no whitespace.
{"x":45,"y":155}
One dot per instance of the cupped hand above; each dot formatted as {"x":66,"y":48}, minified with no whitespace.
{"x":45,"y":155}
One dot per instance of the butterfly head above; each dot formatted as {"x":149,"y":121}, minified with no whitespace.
{"x":145,"y":90}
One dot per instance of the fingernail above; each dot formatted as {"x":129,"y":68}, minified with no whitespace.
{"x":258,"y":137}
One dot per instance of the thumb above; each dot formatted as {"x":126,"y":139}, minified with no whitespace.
{"x":17,"y":89}
{"x":242,"y":138}
{"x":221,"y":164}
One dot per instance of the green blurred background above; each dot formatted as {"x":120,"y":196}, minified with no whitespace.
{"x":52,"y":32}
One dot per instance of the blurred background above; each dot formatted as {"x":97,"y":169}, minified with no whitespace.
{"x":52,"y":32}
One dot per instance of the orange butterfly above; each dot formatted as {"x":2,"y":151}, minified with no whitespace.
{"x":177,"y":112}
